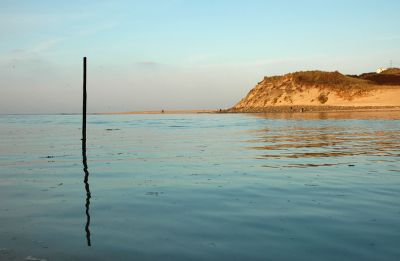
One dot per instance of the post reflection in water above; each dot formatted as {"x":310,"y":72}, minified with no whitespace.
{"x":87,"y":188}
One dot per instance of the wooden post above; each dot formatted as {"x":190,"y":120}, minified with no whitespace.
{"x":84,"y":158}
{"x":84,"y":102}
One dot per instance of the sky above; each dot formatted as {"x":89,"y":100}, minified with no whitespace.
{"x":177,"y":54}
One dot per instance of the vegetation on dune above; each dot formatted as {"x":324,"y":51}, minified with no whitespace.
{"x":390,"y":76}
{"x":391,"y":71}
{"x":325,"y":78}
{"x":322,"y":98}
{"x":344,"y":86}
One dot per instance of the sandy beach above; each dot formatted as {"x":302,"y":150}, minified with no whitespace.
{"x":160,"y":112}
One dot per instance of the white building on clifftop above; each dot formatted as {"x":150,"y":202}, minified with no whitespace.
{"x":379,"y":70}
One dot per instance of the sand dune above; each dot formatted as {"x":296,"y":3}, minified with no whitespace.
{"x":321,"y":89}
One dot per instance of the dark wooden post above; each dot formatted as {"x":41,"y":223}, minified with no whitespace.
{"x":84,"y":101}
{"x":84,"y":158}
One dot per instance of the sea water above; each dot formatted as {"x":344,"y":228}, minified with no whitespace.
{"x":305,"y":186}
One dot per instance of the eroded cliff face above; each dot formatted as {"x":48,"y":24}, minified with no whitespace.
{"x":317,"y":88}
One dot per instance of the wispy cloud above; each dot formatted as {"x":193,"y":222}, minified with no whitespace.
{"x":147,"y":63}
{"x":17,"y":50}
{"x":31,"y":52}
{"x":42,"y":46}
{"x":96,"y":29}
{"x":46,"y":45}
{"x":390,"y":38}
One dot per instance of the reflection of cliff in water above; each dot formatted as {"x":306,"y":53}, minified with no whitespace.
{"x":340,"y":115}
{"x":325,"y":141}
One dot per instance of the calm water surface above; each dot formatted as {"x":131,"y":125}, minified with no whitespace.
{"x":201,"y":187}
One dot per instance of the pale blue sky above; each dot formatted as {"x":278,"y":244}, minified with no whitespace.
{"x":176,"y":54}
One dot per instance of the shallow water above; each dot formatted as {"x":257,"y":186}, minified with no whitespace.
{"x":311,"y":186}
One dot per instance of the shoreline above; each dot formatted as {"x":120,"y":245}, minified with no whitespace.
{"x":158,"y":112}
{"x":311,"y":108}
{"x":268,"y":109}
